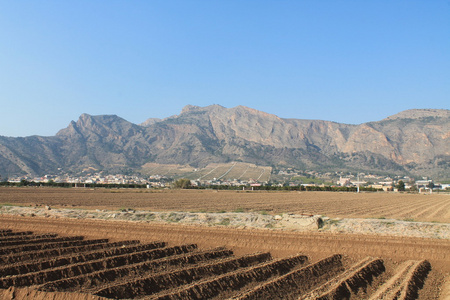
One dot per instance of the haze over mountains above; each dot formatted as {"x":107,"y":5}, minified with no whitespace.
{"x":412,"y":142}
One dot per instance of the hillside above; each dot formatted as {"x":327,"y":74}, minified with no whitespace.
{"x":413,"y":141}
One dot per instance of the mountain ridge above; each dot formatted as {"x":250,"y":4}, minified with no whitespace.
{"x":410,"y":142}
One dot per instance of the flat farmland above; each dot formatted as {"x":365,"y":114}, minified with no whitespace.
{"x":401,"y":206}
{"x":65,"y":258}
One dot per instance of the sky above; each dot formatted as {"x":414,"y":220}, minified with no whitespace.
{"x":344,"y":61}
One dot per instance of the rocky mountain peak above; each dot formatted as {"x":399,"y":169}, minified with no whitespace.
{"x":417,"y":141}
{"x":207,"y":109}
{"x":101,"y":125}
{"x":150,"y":122}
{"x":420,"y":113}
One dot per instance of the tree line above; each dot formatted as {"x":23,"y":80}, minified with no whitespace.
{"x":51,"y":183}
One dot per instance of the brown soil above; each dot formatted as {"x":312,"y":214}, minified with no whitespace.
{"x":124,"y":270}
{"x":418,"y":207}
{"x":58,"y":258}
{"x":406,"y":283}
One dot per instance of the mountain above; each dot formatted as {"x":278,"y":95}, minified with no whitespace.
{"x":413,"y":141}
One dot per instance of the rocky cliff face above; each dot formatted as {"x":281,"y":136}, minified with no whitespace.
{"x":414,"y":141}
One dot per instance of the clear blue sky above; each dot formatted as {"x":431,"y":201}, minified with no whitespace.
{"x":344,"y":61}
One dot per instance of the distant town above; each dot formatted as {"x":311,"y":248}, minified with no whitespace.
{"x":288,"y":179}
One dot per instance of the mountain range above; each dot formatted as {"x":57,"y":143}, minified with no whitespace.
{"x":412,"y":142}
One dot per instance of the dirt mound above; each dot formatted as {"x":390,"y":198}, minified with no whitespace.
{"x":286,"y":221}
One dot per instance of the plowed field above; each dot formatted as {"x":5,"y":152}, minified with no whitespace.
{"x":124,"y":260}
{"x":57,"y":258}
{"x":417,"y":207}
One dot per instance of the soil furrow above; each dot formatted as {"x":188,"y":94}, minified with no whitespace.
{"x":9,"y":232}
{"x":442,"y":211}
{"x":388,"y":209}
{"x":296,"y":282}
{"x":349,"y":282}
{"x":96,"y":279}
{"x":20,"y":249}
{"x":17,"y":269}
{"x":414,"y":211}
{"x":404,"y":285}
{"x":428,"y":212}
{"x":235,"y":280}
{"x":392,"y":210}
{"x":5,"y":245}
{"x":38,"y":278}
{"x":27,"y":237}
{"x":156,"y":283}
{"x":56,"y":252}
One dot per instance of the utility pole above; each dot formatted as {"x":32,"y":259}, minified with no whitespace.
{"x":357,"y":190}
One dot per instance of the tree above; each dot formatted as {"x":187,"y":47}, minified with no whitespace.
{"x":182,"y":183}
{"x":400,"y":186}
{"x":23,"y":182}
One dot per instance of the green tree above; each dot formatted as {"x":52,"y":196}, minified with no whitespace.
{"x":182,"y":183}
{"x":23,"y":182}
{"x":400,"y":186}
